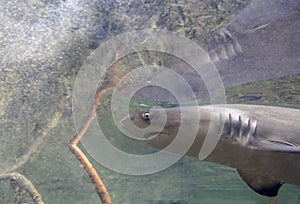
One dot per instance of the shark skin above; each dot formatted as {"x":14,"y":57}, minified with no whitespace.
{"x":261,"y":142}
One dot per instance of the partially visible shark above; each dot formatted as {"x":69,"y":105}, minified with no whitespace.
{"x":261,"y":142}
{"x":261,"y":42}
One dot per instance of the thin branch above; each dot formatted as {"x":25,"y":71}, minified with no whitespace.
{"x":23,"y":183}
{"x":113,"y":76}
{"x":99,"y":186}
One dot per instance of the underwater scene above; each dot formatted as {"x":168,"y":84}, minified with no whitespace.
{"x":72,"y":71}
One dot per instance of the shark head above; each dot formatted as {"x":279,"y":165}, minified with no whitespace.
{"x":158,"y":126}
{"x":161,"y":126}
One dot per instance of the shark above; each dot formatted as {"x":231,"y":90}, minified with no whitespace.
{"x":261,"y":142}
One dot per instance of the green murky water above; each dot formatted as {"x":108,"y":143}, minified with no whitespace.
{"x":191,"y":181}
{"x":57,"y":174}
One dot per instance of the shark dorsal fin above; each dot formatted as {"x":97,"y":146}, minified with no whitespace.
{"x":261,"y":184}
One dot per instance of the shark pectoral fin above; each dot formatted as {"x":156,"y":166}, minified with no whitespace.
{"x":261,"y":184}
{"x":276,"y":146}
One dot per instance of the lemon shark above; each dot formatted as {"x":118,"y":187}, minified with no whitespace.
{"x":261,"y":142}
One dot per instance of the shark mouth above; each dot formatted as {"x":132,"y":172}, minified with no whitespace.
{"x":151,"y":135}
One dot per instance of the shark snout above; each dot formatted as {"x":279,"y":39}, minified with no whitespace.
{"x":131,"y":127}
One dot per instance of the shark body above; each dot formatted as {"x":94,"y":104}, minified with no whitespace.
{"x":261,"y":142}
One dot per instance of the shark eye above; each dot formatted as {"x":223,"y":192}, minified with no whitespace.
{"x":146,"y":115}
